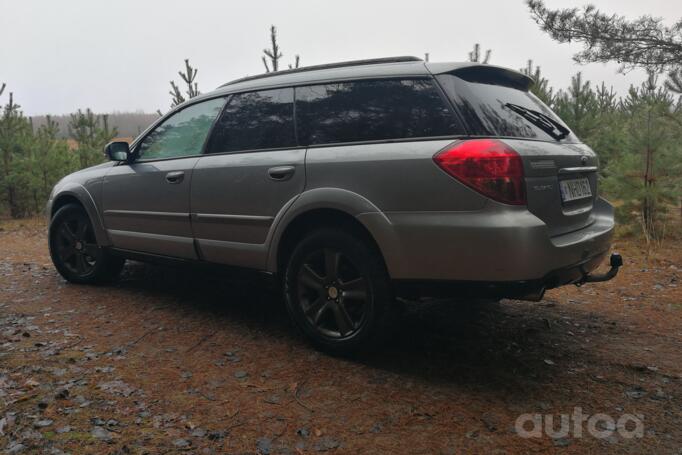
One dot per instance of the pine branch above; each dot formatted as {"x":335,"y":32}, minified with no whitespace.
{"x":192,"y":87}
{"x":176,"y":95}
{"x":475,"y":55}
{"x":674,"y":82}
{"x":273,"y":54}
{"x":644,"y":42}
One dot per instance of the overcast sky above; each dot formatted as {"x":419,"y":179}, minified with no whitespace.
{"x":58,"y":56}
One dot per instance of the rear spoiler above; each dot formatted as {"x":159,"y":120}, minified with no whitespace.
{"x":484,"y":74}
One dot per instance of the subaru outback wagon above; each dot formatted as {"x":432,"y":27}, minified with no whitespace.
{"x":351,"y":183}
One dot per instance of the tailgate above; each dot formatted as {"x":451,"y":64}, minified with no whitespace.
{"x":561,"y":182}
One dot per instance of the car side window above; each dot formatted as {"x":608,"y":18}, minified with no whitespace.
{"x":181,"y":134}
{"x":255,"y":120}
{"x":372,"y":110}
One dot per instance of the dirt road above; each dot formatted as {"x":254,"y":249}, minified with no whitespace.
{"x":184,"y":361}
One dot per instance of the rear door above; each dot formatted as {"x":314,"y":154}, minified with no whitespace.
{"x":252,"y":170}
{"x":146,"y":203}
{"x":560,"y":171}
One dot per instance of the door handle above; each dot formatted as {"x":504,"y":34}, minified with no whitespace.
{"x":175,"y":176}
{"x":281,"y":173}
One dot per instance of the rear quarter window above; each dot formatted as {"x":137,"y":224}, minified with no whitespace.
{"x":372,"y":110}
{"x":483,"y":104}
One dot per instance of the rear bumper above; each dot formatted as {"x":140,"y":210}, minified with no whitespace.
{"x":499,"y":244}
{"x":523,"y":290}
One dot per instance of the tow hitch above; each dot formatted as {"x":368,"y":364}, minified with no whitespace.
{"x":616,"y":262}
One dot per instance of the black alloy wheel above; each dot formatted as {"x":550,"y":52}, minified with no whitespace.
{"x":337,"y":291}
{"x":333,"y":293}
{"x":75,"y":244}
{"x":74,"y":249}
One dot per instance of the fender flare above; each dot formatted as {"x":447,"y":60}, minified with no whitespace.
{"x":348,"y":202}
{"x":79,"y":192}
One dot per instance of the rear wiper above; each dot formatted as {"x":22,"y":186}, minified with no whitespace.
{"x":542,"y":121}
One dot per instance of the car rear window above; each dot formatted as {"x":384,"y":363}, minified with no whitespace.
{"x":372,"y":110}
{"x":491,"y":106}
{"x":255,"y":120}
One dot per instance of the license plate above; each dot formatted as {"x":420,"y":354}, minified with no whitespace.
{"x":575,"y":189}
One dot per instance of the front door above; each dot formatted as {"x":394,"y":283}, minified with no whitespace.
{"x":146,"y":203}
{"x":252,"y":170}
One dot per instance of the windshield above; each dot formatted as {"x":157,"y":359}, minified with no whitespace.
{"x":500,"y":110}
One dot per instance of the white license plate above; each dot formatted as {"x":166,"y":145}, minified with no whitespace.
{"x":575,"y":189}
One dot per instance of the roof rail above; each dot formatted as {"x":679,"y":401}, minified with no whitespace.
{"x":372,"y":61}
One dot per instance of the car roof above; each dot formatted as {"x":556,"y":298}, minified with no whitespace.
{"x":405,"y":66}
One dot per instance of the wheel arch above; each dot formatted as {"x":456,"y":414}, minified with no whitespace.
{"x":62,"y":200}
{"x":77,"y":194}
{"x":327,"y":207}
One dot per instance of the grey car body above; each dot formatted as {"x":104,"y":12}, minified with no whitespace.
{"x":240,"y":208}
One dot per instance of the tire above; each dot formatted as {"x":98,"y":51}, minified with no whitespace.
{"x":337,"y":292}
{"x":74,"y":249}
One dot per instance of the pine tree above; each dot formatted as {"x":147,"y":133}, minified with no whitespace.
{"x":297,"y":61}
{"x":91,"y":133}
{"x":607,"y":135}
{"x":32,"y":161}
{"x":14,"y":135}
{"x":192,"y":89}
{"x":607,"y":99}
{"x":51,"y":159}
{"x":646,"y":173}
{"x":577,"y":106}
{"x":274,"y":54}
{"x":475,"y":55}
{"x":540,"y":87}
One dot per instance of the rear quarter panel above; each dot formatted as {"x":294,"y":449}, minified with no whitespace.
{"x":398,"y":176}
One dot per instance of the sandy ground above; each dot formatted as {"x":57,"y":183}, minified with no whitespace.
{"x":185,"y":361}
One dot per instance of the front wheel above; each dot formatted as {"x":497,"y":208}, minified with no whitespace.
{"x":337,"y":291}
{"x":74,"y":249}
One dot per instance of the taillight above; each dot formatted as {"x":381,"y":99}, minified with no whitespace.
{"x":489,"y":166}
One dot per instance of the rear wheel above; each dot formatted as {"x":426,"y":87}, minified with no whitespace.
{"x":337,"y":291}
{"x":74,"y":249}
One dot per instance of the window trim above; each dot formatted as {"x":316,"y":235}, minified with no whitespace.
{"x":351,"y":144}
{"x":453,"y":137}
{"x":237,"y":152}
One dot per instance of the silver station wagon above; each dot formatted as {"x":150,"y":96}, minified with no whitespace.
{"x":351,"y":184}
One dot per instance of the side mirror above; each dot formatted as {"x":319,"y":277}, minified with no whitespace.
{"x":118,"y":151}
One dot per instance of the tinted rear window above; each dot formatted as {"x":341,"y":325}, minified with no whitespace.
{"x":255,"y":120}
{"x":372,"y":110}
{"x":483,"y":105}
